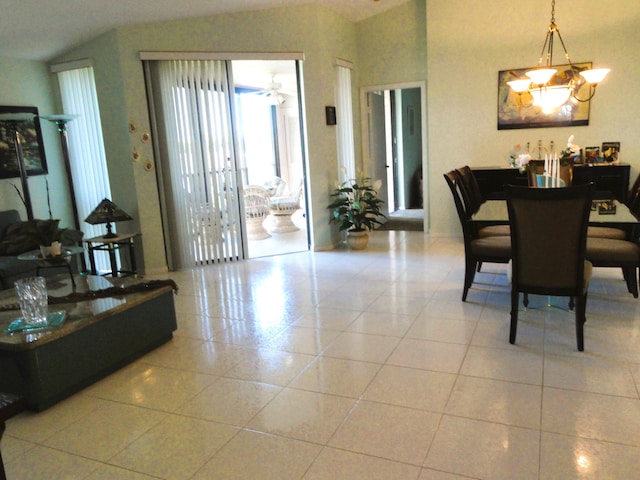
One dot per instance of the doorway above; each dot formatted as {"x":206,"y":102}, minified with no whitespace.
{"x":270,"y":151}
{"x":394,"y":145}
{"x":224,"y":149}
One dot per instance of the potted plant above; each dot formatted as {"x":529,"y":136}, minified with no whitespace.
{"x":356,"y":209}
{"x":47,"y":234}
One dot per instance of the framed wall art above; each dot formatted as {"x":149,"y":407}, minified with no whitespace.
{"x":517,"y":110}
{"x":30,"y":138}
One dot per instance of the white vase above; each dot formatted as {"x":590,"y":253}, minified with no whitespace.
{"x":53,"y":250}
{"x":357,"y":240}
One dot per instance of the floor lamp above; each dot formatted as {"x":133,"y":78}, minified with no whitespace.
{"x":61,"y":121}
{"x":12,"y":120}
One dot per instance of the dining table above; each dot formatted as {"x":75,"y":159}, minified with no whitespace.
{"x":607,"y":213}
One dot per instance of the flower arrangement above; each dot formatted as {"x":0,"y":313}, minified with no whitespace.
{"x":518,"y":158}
{"x":356,"y":205}
{"x":571,"y":152}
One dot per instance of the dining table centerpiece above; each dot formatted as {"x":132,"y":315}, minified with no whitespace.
{"x":356,"y":209}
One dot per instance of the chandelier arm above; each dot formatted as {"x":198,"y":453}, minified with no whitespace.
{"x":566,"y":54}
{"x":545,"y":49}
{"x":592,"y":92}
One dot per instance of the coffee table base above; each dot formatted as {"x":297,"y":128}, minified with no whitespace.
{"x":55,"y":370}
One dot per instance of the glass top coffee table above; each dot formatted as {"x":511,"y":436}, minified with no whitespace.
{"x":60,"y":261}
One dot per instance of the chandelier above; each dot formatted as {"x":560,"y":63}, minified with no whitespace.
{"x":542,"y":82}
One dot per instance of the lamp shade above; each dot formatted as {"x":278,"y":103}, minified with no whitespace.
{"x":107,"y":212}
{"x":595,"y":75}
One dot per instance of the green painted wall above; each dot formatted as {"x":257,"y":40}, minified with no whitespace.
{"x":27,"y":83}
{"x":318,"y":32}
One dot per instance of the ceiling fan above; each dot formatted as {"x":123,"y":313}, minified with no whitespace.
{"x":272,"y":92}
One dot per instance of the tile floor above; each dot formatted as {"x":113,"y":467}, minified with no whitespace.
{"x":357,"y":365}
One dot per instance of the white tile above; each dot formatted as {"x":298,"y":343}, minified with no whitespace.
{"x":590,"y":415}
{"x":252,"y":455}
{"x":410,"y":387}
{"x":356,"y":466}
{"x":230,"y":401}
{"x":428,"y":355}
{"x":589,"y":373}
{"x":387,"y":431}
{"x":479,"y":449}
{"x":382,"y":323}
{"x":496,"y":401}
{"x":336,"y":376}
{"x":175,"y":448}
{"x":303,"y":415}
{"x":362,"y":346}
{"x":105,"y":431}
{"x":515,"y":364}
{"x":43,"y":462}
{"x":570,"y":457}
{"x":442,"y":329}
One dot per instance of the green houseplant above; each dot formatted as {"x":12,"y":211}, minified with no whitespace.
{"x":356,"y":208}
{"x":47,"y":235}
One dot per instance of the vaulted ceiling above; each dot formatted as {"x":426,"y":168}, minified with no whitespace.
{"x":42,"y":30}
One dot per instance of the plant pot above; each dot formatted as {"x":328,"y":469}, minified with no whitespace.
{"x":357,"y":239}
{"x":53,"y":250}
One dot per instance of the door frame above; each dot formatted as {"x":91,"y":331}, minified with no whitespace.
{"x":366,"y":155}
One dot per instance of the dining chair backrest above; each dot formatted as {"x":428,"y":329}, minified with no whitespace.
{"x":633,"y":200}
{"x":548,"y":238}
{"x":455,"y":185}
{"x":470,"y":189}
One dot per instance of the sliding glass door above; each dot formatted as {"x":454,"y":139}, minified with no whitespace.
{"x":199,"y":162}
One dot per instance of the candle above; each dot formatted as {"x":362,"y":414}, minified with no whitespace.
{"x":546,"y":164}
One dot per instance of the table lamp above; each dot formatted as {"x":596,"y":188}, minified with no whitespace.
{"x":107,"y":212}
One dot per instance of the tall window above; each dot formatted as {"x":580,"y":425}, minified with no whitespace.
{"x":86,"y":146}
{"x":344,"y":120}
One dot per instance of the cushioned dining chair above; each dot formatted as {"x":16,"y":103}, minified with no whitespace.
{"x":491,"y":249}
{"x":624,"y":254}
{"x":548,"y":242}
{"x":472,"y":197}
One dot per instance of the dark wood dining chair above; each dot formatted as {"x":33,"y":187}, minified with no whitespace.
{"x":472,"y":197}
{"x":548,"y":243}
{"x":490,"y":249}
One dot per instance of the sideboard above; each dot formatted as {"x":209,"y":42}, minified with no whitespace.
{"x":611,"y":180}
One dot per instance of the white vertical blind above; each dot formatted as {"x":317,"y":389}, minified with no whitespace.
{"x":201,"y":169}
{"x":344,"y":120}
{"x":86,"y":148}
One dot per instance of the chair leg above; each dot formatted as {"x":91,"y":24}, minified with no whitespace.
{"x":469,"y":275}
{"x":581,"y":308}
{"x":633,"y":281}
{"x":479,"y":266}
{"x":525,"y":299}
{"x":515,"y":297}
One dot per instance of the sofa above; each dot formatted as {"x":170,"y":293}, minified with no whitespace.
{"x":14,"y":240}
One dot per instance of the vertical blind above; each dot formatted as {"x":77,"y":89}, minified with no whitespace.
{"x":199,"y":170}
{"x":344,"y":120}
{"x":86,"y":148}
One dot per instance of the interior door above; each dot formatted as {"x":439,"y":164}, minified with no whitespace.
{"x":377,"y":144}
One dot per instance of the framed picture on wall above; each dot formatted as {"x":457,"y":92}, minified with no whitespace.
{"x":516,"y":110}
{"x":28,"y":129}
